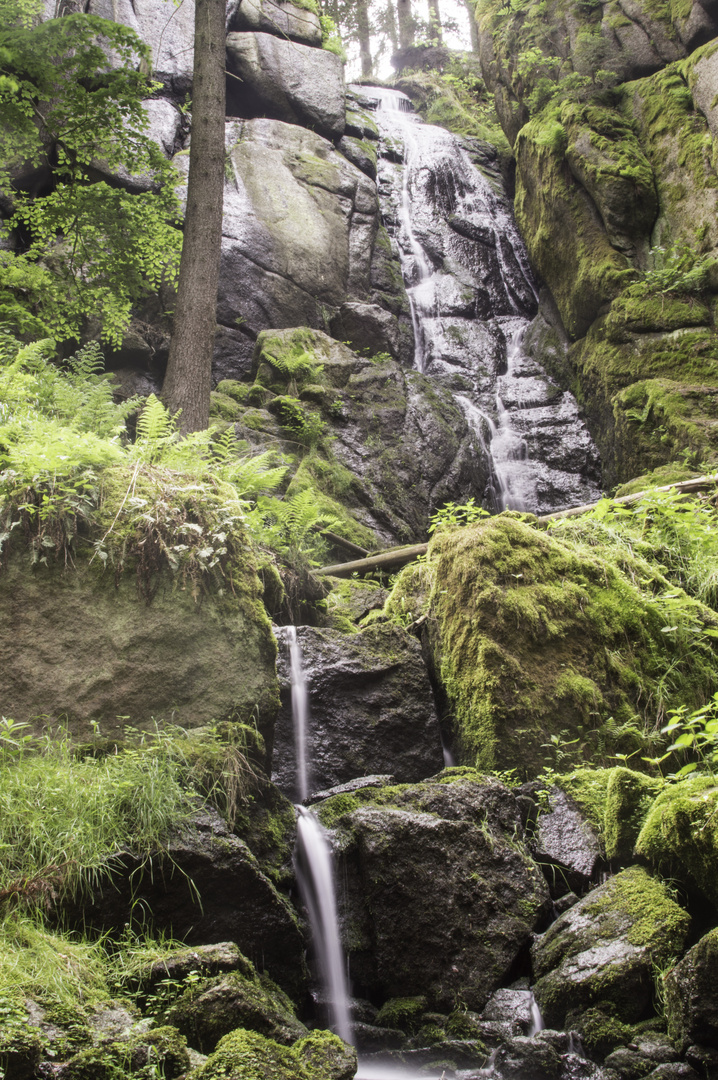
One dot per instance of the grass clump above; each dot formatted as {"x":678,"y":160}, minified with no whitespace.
{"x":64,"y":821}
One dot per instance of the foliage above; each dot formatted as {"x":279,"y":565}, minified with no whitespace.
{"x":331,"y":37}
{"x":698,"y":736}
{"x":453,"y":515}
{"x":71,"y":477}
{"x":70,"y":104}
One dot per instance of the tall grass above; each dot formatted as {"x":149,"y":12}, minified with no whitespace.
{"x":64,"y":821}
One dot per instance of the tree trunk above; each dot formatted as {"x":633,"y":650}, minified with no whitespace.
{"x":363,"y":32}
{"x":435,"y":22}
{"x":406,"y":24}
{"x":189,"y":370}
{"x":473,"y":25}
{"x":391,"y":26}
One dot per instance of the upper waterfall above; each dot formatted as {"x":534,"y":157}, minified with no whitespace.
{"x":472,"y":298}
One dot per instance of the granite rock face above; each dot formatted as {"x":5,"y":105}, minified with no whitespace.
{"x":289,"y":81}
{"x":278,"y":17}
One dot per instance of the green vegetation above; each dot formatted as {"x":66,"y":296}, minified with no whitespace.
{"x":253,"y":1057}
{"x":603,"y":622}
{"x":680,"y":834}
{"x":66,"y":109}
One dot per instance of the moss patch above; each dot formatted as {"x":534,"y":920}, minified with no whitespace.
{"x":680,"y":834}
{"x":251,"y":1056}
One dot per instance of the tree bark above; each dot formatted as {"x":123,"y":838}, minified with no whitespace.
{"x":406,"y":24}
{"x":473,"y":25}
{"x":363,"y":32}
{"x":435,"y":22}
{"x":189,"y":370}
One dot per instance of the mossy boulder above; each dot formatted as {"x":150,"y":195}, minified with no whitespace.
{"x":528,"y":635}
{"x":605,"y":947}
{"x":214,"y":1007}
{"x":161,"y":1051}
{"x":326,"y":1056}
{"x":691,"y":995}
{"x":83,"y":644}
{"x":680,"y":835}
{"x":439,"y":899}
{"x":246,"y":1055}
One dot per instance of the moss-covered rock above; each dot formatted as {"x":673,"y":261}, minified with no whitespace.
{"x":108,"y":656}
{"x":528,"y":633}
{"x":161,"y":1051}
{"x":604,"y":948}
{"x":326,"y":1056}
{"x":402,"y":1013}
{"x":680,"y":834}
{"x":600,"y":1029}
{"x":629,"y":796}
{"x":246,"y":1055}
{"x":214,"y":1007}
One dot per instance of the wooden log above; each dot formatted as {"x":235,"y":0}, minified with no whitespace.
{"x":387,"y":560}
{"x":348,"y":545}
{"x":395,"y":558}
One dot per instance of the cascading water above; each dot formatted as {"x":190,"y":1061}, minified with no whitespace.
{"x":472,"y":298}
{"x":313,"y":863}
{"x":313,"y":860}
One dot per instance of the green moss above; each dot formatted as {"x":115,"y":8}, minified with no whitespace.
{"x":629,"y":796}
{"x":600,"y":1029}
{"x":657,"y":922}
{"x":674,"y":472}
{"x":518,"y":617}
{"x":680,"y":834}
{"x":224,"y":406}
{"x":402,"y":1013}
{"x":326,"y":1056}
{"x":251,"y":1056}
{"x":587,"y":788}
{"x":239,"y":391}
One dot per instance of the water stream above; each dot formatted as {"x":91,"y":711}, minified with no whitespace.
{"x":472,"y":300}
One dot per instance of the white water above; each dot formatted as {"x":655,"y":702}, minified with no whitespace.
{"x":300,"y":709}
{"x":316,"y":883}
{"x":537,"y":1023}
{"x":472,"y":297}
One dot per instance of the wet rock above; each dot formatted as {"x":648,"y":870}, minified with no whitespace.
{"x":704,"y":1059}
{"x":448,"y":1056}
{"x":376,"y":781}
{"x":372,"y":1038}
{"x":289,"y":81}
{"x":565,"y":840}
{"x":691,"y":991}
{"x":528,"y":1059}
{"x":435,"y":897}
{"x":510,"y":1007}
{"x":360,"y":153}
{"x":206,"y":864}
{"x":605,"y":948}
{"x":212,"y":1008}
{"x":644,"y":1058}
{"x":371,"y":709}
{"x":298,"y":230}
{"x":676,"y":1070}
{"x":223,"y":957}
{"x":280,"y":17}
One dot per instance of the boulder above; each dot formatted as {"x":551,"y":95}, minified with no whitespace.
{"x":167,"y":29}
{"x":436,"y":896}
{"x":280,"y":17}
{"x":604,"y":948}
{"x":212,"y":1008}
{"x":565,"y":840}
{"x":691,"y":994}
{"x":528,"y":1059}
{"x":288,"y":81}
{"x":680,"y":835}
{"x":84,"y":645}
{"x":206,"y":886}
{"x":371,"y":709}
{"x":251,"y":1056}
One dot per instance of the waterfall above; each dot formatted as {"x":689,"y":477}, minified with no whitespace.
{"x":313,"y":859}
{"x":472,"y":298}
{"x":537,"y":1023}
{"x":313,"y":863}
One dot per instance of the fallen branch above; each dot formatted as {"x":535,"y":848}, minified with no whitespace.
{"x":395,"y":558}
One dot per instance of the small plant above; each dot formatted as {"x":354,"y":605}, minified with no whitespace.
{"x":698,"y":736}
{"x":456,"y":515}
